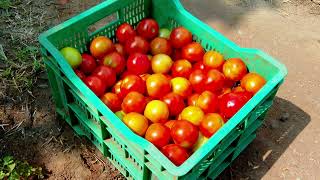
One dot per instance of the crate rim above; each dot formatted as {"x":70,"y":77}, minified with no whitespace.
{"x":135,"y":139}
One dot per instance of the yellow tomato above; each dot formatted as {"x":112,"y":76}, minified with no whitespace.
{"x":136,"y":122}
{"x":181,"y":86}
{"x":157,"y":111}
{"x":192,"y":114}
{"x":161,"y":63}
{"x":200,"y":142}
{"x":213,"y":59}
{"x":252,"y":82}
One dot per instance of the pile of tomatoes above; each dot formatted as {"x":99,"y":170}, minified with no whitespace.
{"x":164,"y":86}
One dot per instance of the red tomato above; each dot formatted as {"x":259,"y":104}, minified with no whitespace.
{"x":138,"y":64}
{"x":230,"y":103}
{"x":184,"y":133}
{"x":224,"y":91}
{"x":117,"y":90}
{"x":95,"y":84}
{"x":174,"y":102}
{"x":199,"y":65}
{"x":80,"y":74}
{"x":210,"y":124}
{"x":134,"y":102}
{"x":181,"y":68}
{"x":176,"y":55}
{"x":192,"y":52}
{"x":214,"y":81}
{"x":238,"y":89}
{"x":192,"y":100}
{"x":158,"y":85}
{"x":180,"y":37}
{"x":124,"y":32}
{"x":112,"y":101}
{"x":120,"y":49}
{"x":252,"y":82}
{"x":158,"y":134}
{"x":208,"y":102}
{"x":197,"y":78}
{"x":144,"y":77}
{"x":148,"y":28}
{"x":160,"y":46}
{"x":101,"y":46}
{"x":136,"y":44}
{"x":132,"y":83}
{"x":106,"y":74}
{"x":170,"y":123}
{"x":175,"y":153}
{"x":234,"y":69}
{"x":125,"y":74}
{"x":115,"y":61}
{"x":88,"y":64}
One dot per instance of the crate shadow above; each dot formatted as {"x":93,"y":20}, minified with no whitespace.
{"x":282,"y":125}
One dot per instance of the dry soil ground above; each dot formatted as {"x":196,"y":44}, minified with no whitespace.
{"x":287,"y":146}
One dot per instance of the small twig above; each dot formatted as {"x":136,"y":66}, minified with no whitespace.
{"x":100,"y":160}
{"x":47,"y":142}
{"x":3,"y":125}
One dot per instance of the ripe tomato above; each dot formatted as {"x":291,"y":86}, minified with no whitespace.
{"x":80,"y":74}
{"x":124,"y":32}
{"x":158,"y":134}
{"x":161,"y":63}
{"x":180,"y":37}
{"x":175,"y":153}
{"x":160,"y":46}
{"x":214,"y":81}
{"x":72,"y":56}
{"x":181,"y":86}
{"x":238,"y":89}
{"x":176,"y":55}
{"x":174,"y":102}
{"x":234,"y":69}
{"x":164,"y":33}
{"x":200,"y":142}
{"x":136,"y":122}
{"x":224,"y":91}
{"x":210,"y":124}
{"x":101,"y":46}
{"x":192,"y":114}
{"x":138,"y":64}
{"x":88,"y":64}
{"x":192,"y":52}
{"x":252,"y":82}
{"x":192,"y":100}
{"x":197,"y":78}
{"x":170,"y":123}
{"x":158,"y":85}
{"x":148,"y":28}
{"x":181,"y":68}
{"x":95,"y":84}
{"x":230,"y":103}
{"x":208,"y":102}
{"x":136,"y":44}
{"x":112,"y":101}
{"x":157,"y":111}
{"x":213,"y":59}
{"x":117,"y":89}
{"x":184,"y":133}
{"x":120,"y":49}
{"x":199,"y":65}
{"x":132,"y":83}
{"x":106,"y":74}
{"x":115,"y":61}
{"x":134,"y":102}
{"x":144,"y":77}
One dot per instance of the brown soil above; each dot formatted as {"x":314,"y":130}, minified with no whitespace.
{"x":287,"y":145}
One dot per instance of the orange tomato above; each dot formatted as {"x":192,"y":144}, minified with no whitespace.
{"x":158,"y":134}
{"x":181,"y":86}
{"x":252,"y":82}
{"x":208,"y":102}
{"x":136,"y":122}
{"x":213,"y":59}
{"x":238,"y":89}
{"x":101,"y":46}
{"x":158,"y":85}
{"x":210,"y":124}
{"x":170,"y":123}
{"x":234,"y":69}
{"x":192,"y":114}
{"x":157,"y":111}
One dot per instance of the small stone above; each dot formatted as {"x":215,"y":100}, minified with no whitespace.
{"x":285,"y":116}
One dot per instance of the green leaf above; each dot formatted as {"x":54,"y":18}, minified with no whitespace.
{"x":11,"y":166}
{"x":14,"y":176}
{"x":2,"y":175}
{"x":7,"y":160}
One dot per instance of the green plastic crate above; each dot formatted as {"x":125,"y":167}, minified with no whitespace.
{"x":135,"y":157}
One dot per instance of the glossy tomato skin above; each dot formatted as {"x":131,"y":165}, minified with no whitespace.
{"x":180,"y":37}
{"x":138,"y":64}
{"x":88,"y":63}
{"x":192,"y":114}
{"x":214,"y":81}
{"x":174,"y":102}
{"x":158,"y":134}
{"x":252,"y":82}
{"x":181,"y":86}
{"x":124,"y":32}
{"x":95,"y":84}
{"x":184,"y":133}
{"x":115,"y":61}
{"x":234,"y":69}
{"x":148,"y":28}
{"x":210,"y":124}
{"x":136,"y":44}
{"x":199,"y":65}
{"x":136,"y":122}
{"x":213,"y":59}
{"x":170,"y":123}
{"x":181,"y":68}
{"x":144,"y":77}
{"x":106,"y":74}
{"x":160,"y":46}
{"x":192,"y":100}
{"x":192,"y":52}
{"x":72,"y":56}
{"x":112,"y":101}
{"x":157,"y":111}
{"x":208,"y":102}
{"x":132,"y":83}
{"x":120,"y":49}
{"x":101,"y":46}
{"x":161,"y":63}
{"x":117,"y":89}
{"x":80,"y":74}
{"x":134,"y":102}
{"x":197,"y":78}
{"x":175,"y":153}
{"x":231,"y":103}
{"x":158,"y":85}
